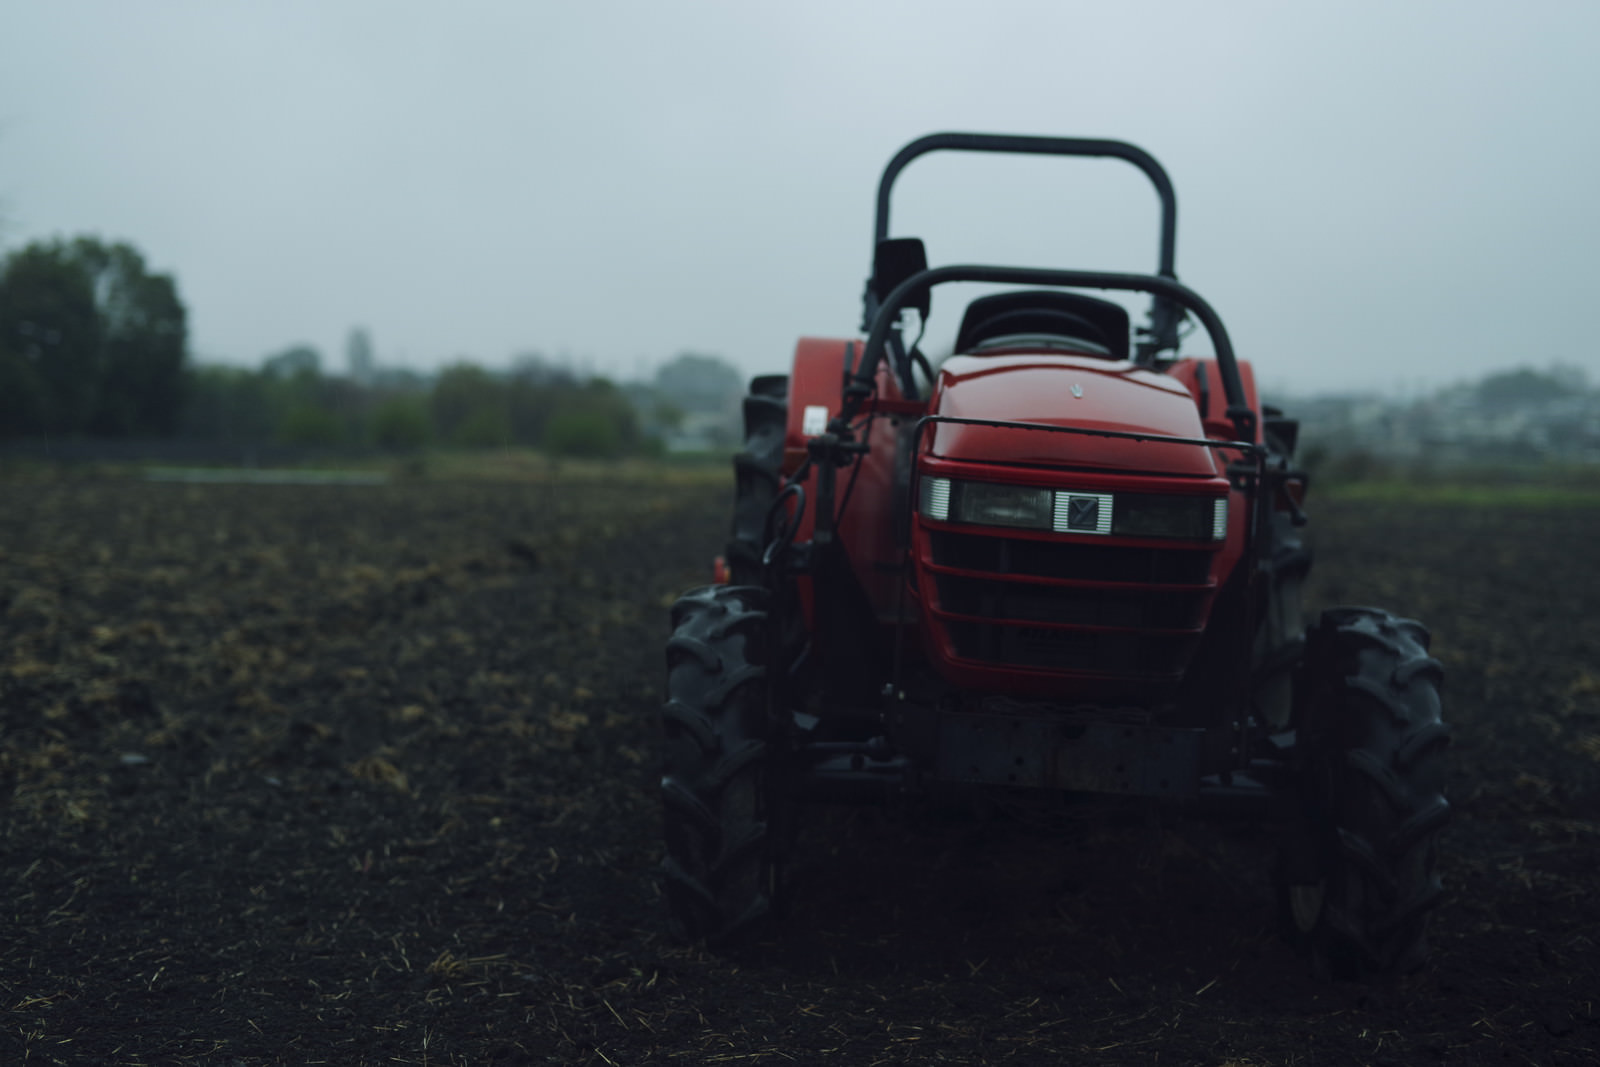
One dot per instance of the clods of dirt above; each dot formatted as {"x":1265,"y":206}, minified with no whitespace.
{"x":366,"y":775}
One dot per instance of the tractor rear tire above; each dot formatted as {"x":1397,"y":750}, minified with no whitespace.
{"x":1356,"y":887}
{"x":721,"y":791}
{"x":757,"y":475}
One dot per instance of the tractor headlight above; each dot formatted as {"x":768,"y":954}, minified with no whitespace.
{"x":1176,"y":518}
{"x":987,"y":503}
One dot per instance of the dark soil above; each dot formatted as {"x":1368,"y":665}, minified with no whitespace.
{"x":366,"y":775}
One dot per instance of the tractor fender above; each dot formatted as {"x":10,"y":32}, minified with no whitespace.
{"x":816,"y":388}
{"x":1204,"y":380}
{"x":872,"y":489}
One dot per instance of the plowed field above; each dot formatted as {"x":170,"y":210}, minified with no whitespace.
{"x":365,"y":775}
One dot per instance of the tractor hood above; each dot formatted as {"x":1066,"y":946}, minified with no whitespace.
{"x":1064,"y":390}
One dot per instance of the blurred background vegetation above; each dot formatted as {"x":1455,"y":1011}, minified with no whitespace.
{"x":94,"y":351}
{"x":94,"y":365}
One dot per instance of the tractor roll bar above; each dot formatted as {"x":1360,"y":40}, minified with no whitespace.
{"x":1244,"y":420}
{"x":1162,"y":333}
{"x":1046,"y":146}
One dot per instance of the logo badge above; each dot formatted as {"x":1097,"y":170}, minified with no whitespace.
{"x":1083,"y":512}
{"x":1077,"y":390}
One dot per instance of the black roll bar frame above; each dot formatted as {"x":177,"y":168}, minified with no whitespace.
{"x":1163,"y":330}
{"x":862,"y":376}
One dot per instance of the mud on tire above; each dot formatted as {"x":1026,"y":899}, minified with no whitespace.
{"x":720,"y":785}
{"x":1356,"y":886}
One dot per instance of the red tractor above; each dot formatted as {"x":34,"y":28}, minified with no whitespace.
{"x":1064,"y":562}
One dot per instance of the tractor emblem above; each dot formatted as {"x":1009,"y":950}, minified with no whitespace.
{"x":1077,"y":390}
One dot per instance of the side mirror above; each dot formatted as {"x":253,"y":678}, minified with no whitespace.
{"x":896,"y":259}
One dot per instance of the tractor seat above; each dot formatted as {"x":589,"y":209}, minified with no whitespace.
{"x":1045,"y":319}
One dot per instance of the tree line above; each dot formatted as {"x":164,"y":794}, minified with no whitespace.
{"x":95,"y":344}
{"x":291,"y":400}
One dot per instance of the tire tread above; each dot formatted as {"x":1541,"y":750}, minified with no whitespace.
{"x":1371,"y":777}
{"x":717,"y":792}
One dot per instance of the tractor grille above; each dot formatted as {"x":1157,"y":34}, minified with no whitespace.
{"x":1056,"y":559}
{"x":1110,"y":609}
{"x":1122,"y":608}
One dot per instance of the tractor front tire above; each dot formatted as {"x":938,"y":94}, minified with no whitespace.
{"x":1356,"y":886}
{"x":721,"y":784}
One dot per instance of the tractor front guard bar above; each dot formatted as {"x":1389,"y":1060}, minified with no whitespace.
{"x":860,"y":385}
{"x":1249,"y":451}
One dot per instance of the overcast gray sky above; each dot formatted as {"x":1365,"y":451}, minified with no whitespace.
{"x":1377,"y":195}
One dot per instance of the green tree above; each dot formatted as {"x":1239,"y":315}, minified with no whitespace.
{"x":228,"y":404}
{"x":484,"y":428}
{"x":602,"y":397}
{"x":1515,"y":388}
{"x":97,"y":340}
{"x":297,"y":362}
{"x":145,"y":339}
{"x":594,"y":419}
{"x":587,"y":434}
{"x":308,"y":424}
{"x":24,"y":397}
{"x":310,"y":408}
{"x":50,"y":333}
{"x":401,"y":422}
{"x":534,"y":391}
{"x":469,"y":405}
